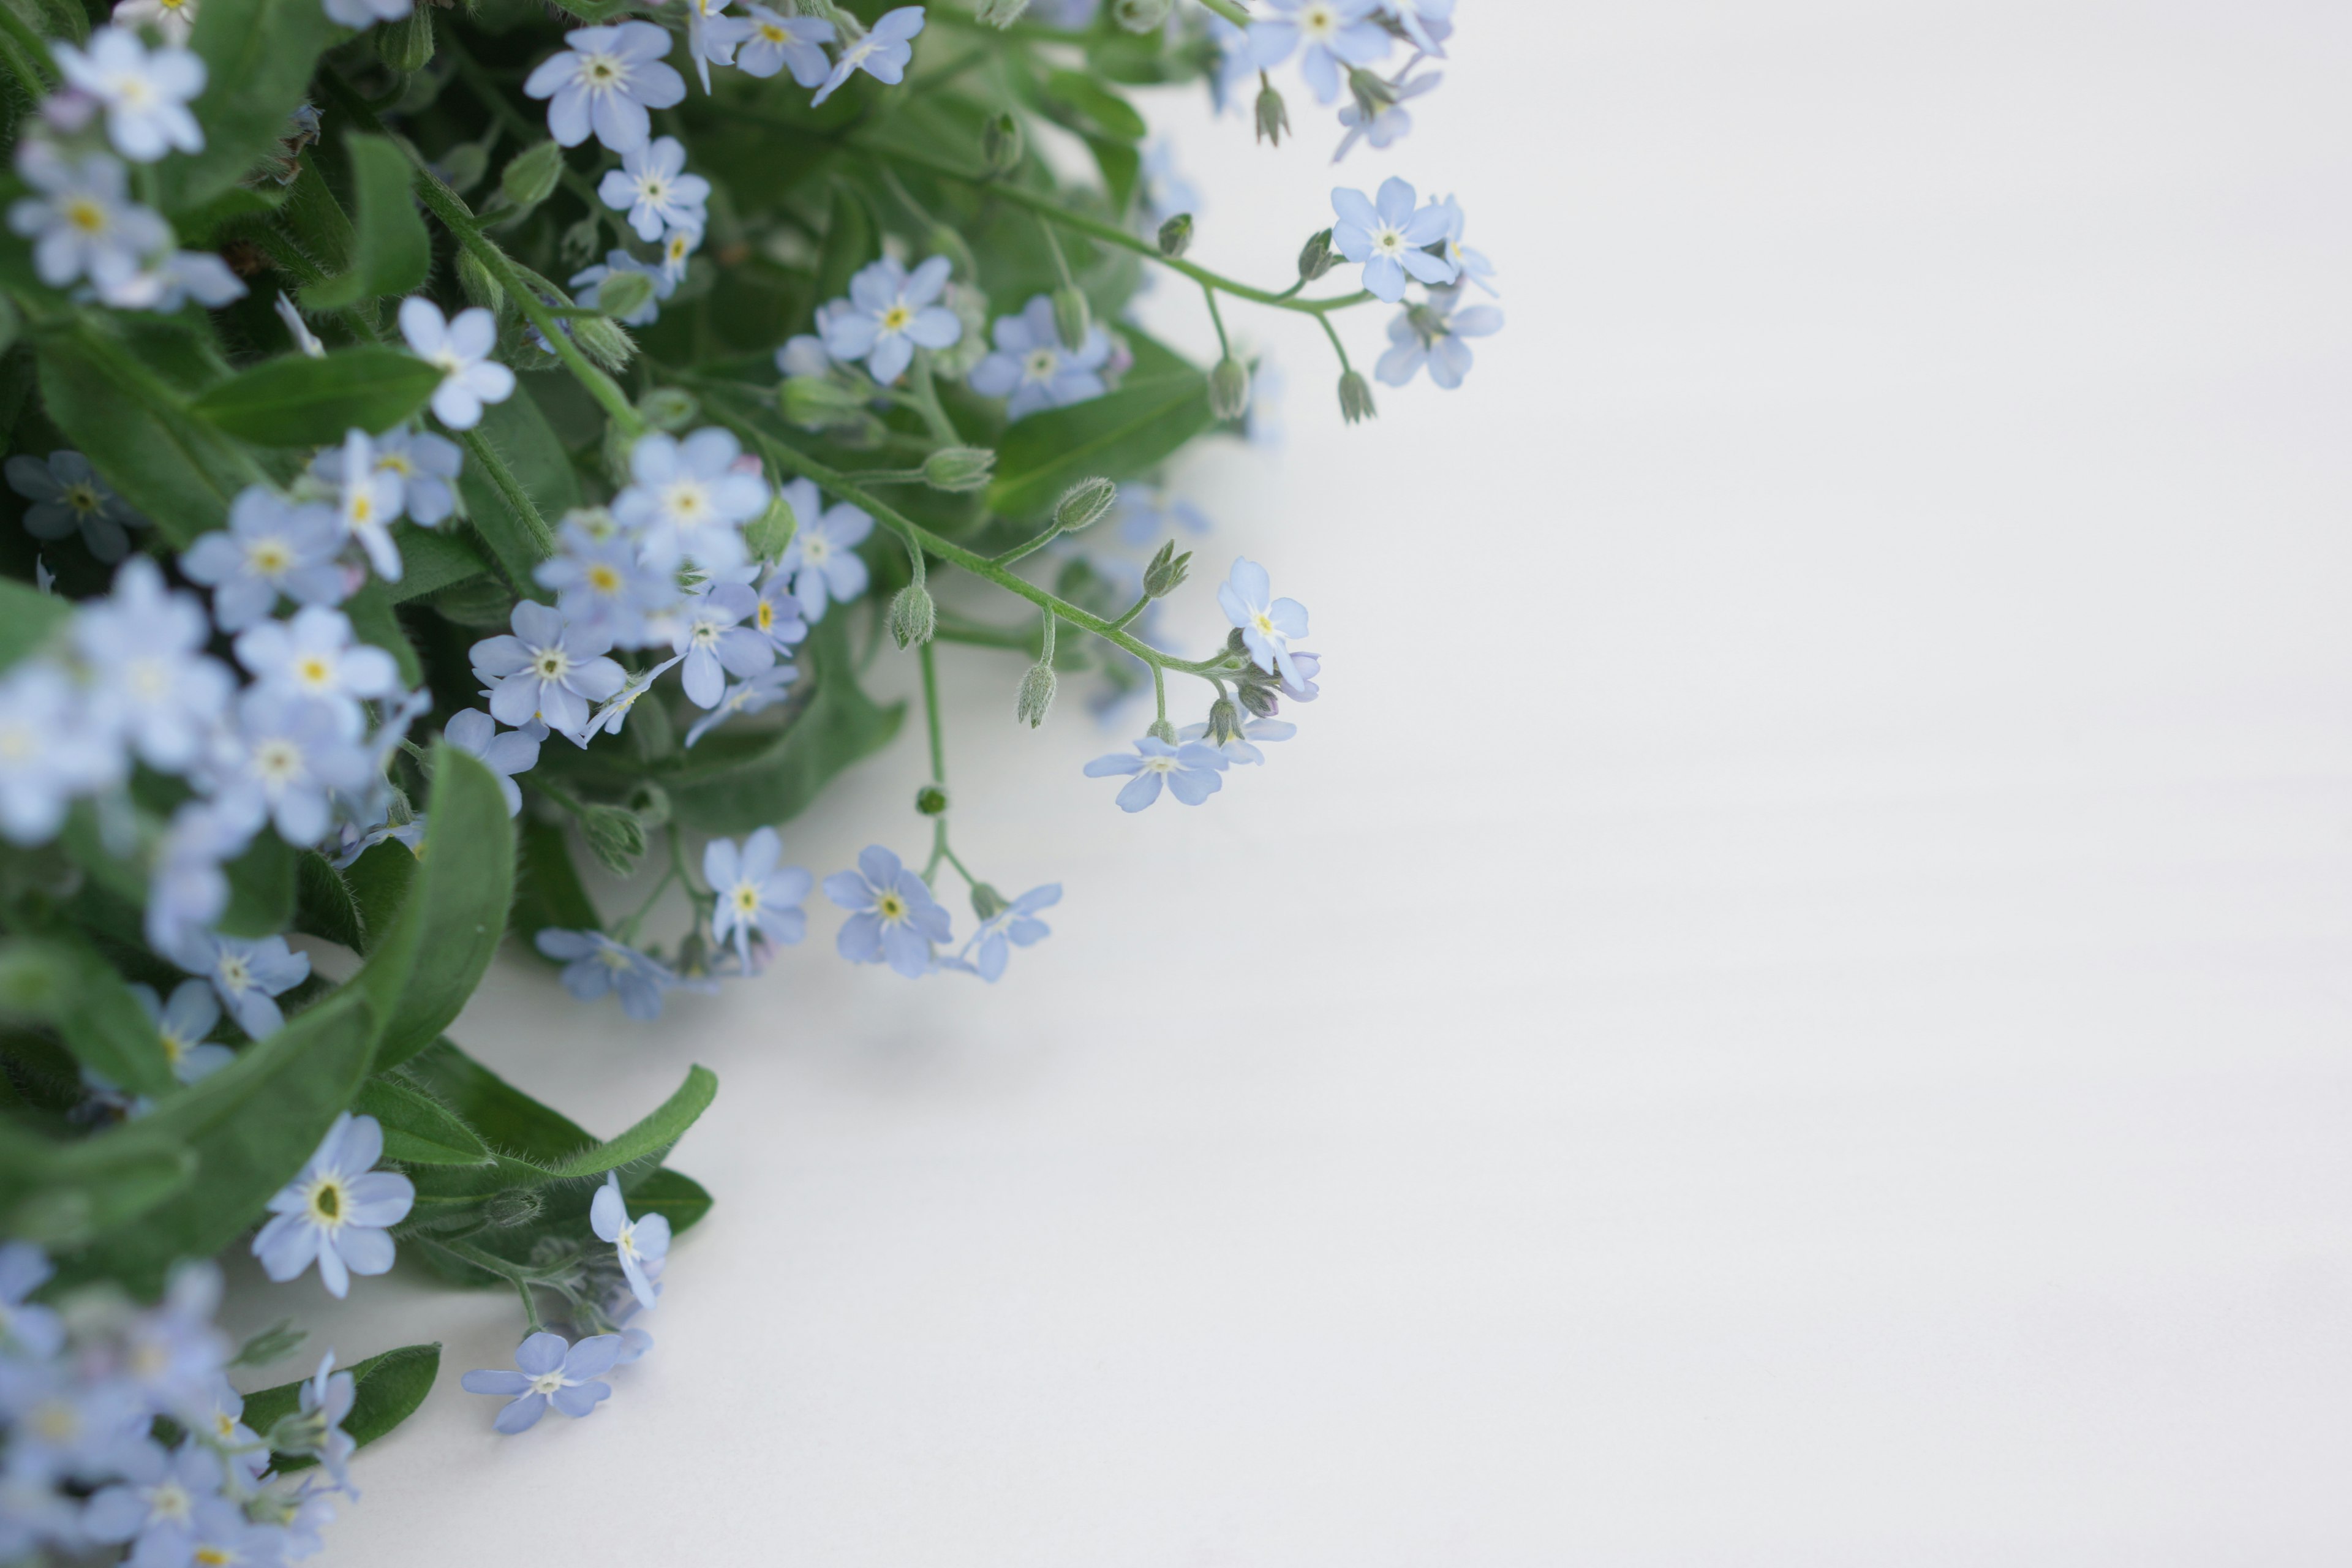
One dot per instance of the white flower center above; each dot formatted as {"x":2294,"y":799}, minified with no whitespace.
{"x":1389,"y":241}
{"x":1041,"y":363}
{"x":1264,"y":622}
{"x":817,"y":550}
{"x":547,"y":1383}
{"x":1159,"y":764}
{"x":169,"y":1502}
{"x":449,"y":359}
{"x":687,"y":501}
{"x":602,"y":73}
{"x":1320,"y":24}
{"x":551,"y":664}
{"x":747,"y":896}
{"x":268,"y":557}
{"x":326,"y":1203}
{"x":235,"y":975}
{"x":150,"y":679}
{"x":276,"y":764}
{"x":897,"y":317}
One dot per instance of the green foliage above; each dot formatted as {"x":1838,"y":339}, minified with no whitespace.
{"x":28,"y":618}
{"x":293,"y":401}
{"x":391,"y":252}
{"x":417,"y":1129}
{"x":258,"y":56}
{"x":1120,"y":437}
{"x":62,"y":981}
{"x":386,"y":1389}
{"x":138,"y":431}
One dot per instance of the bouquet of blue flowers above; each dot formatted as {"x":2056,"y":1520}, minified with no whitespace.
{"x":447,"y":442}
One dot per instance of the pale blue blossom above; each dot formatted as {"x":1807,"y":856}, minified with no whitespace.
{"x":604,"y":81}
{"x":1189,"y":772}
{"x":1032,"y":370}
{"x":81,"y":221}
{"x":51,"y":750}
{"x":222,"y":1422}
{"x":1266,"y":624}
{"x":1389,"y":238}
{"x":27,"y":1328}
{"x":588,"y":285}
{"x":714,"y":642}
{"x":609,"y":718}
{"x":711,"y":36}
{"x":188,"y":887}
{"x":601,"y":585}
{"x":327,"y":1396}
{"x":755,"y":900}
{"x":595,"y":963}
{"x":652,"y":186}
{"x":749,"y":695}
{"x":184,"y":1027}
{"x":315,"y":656}
{"x":368,"y":501}
{"x":549,"y":1372}
{"x":170,"y":1354}
{"x":62,"y":1425}
{"x":284,"y":757}
{"x":1015,"y":925}
{"x":777,"y":616}
{"x":1473,"y":265}
{"x":894,"y":918}
{"x":460,"y":347}
{"x":362,"y":15}
{"x":271,"y":547}
{"x":155,"y":685}
{"x":777,"y":43}
{"x":339,"y":1212}
{"x":1242,"y":745}
{"x":689,"y":499}
{"x":34,"y":1511}
{"x":227,"y":1537}
{"x":1330,"y":35}
{"x":1390,"y":122}
{"x":1427,"y":23}
{"x":507,"y":753}
{"x":67,"y":496}
{"x":427,"y":468}
{"x":169,"y":280}
{"x":1432,"y":333}
{"x":882,"y":53}
{"x":639,"y":1245}
{"x":821,"y":562}
{"x":247,"y":975}
{"x":892,"y":312}
{"x":355,"y":841}
{"x":157,"y":1505}
{"x":145,"y":93}
{"x":549,"y":669}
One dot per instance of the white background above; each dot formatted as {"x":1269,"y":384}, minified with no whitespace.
{"x":1789,"y":1005}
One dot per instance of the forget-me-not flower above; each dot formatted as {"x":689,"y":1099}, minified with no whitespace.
{"x":174,"y":19}
{"x":461,"y":347}
{"x":711,"y":36}
{"x":271,"y":547}
{"x":588,"y":285}
{"x":775,"y":43}
{"x":1015,"y":925}
{"x":145,"y":93}
{"x":608,"y":719}
{"x":652,"y":186}
{"x":81,"y":221}
{"x":1030,"y":368}
{"x":1266,"y":624}
{"x":362,"y":15}
{"x":158,"y":1501}
{"x":156,"y":686}
{"x":286,"y":756}
{"x":427,"y":468}
{"x":639,"y":1245}
{"x":549,"y":1372}
{"x":1390,"y":122}
{"x":895,"y":920}
{"x":170,"y":1355}
{"x":327,"y":1396}
{"x":595,"y":963}
{"x":882,"y":53}
{"x":1432,"y":333}
{"x":752,"y":895}
{"x":26,"y":1327}
{"x":314,"y":654}
{"x":690,"y":498}
{"x":1242,"y":745}
{"x":247,"y":975}
{"x":49,"y":751}
{"x":1427,"y":23}
{"x":64,"y":1425}
{"x":1330,"y":35}
{"x":605,"y":82}
{"x":715,"y":642}
{"x":68,"y":495}
{"x":187,"y":890}
{"x":1389,"y":238}
{"x":505,"y":753}
{"x":765,"y":690}
{"x":892,"y":312}
{"x":1473,"y":265}
{"x":601,"y":583}
{"x":184,"y":1026}
{"x":169,"y":281}
{"x":548,"y":668}
{"x":1189,"y":772}
{"x":821,"y":562}
{"x":338,"y":1212}
{"x":368,"y":501}
{"x":777,"y":616}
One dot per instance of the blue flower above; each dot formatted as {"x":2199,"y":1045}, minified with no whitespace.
{"x":246,"y":974}
{"x":33,"y":1512}
{"x":1189,"y":772}
{"x":460,"y":347}
{"x":713,"y":642}
{"x":146,"y":95}
{"x":1030,"y":368}
{"x":162,"y":1494}
{"x":285,"y":756}
{"x":892,"y":312}
{"x":1473,"y":264}
{"x":222,"y":1423}
{"x":226,"y":1537}
{"x":777,"y":616}
{"x":765,"y":690}
{"x":1147,"y":513}
{"x":64,"y":1425}
{"x":896,"y":920}
{"x":156,"y":686}
{"x":1432,"y":333}
{"x":1266,"y":624}
{"x":1329,"y":34}
{"x":608,"y":720}
{"x":323,"y":1401}
{"x":187,"y":890}
{"x":689,"y":499}
{"x":50,"y":751}
{"x":550,"y":668}
{"x":314,"y":656}
{"x":1242,"y":746}
{"x":753,"y":896}
{"x":184,"y":1026}
{"x":777,"y":42}
{"x":171,"y":1356}
{"x":170,"y":280}
{"x":82,"y":223}
{"x":369,"y":498}
{"x":882,"y":53}
{"x":589,"y":281}
{"x":425,"y":465}
{"x":601,"y":585}
{"x":68,"y":495}
{"x":605,"y":82}
{"x":271,"y":547}
{"x":549,"y":1372}
{"x":1016,"y":924}
{"x":639,"y":1245}
{"x":821,"y":562}
{"x":595,"y":963}
{"x":476,"y":733}
{"x":1389,"y":239}
{"x":26,"y":1326}
{"x":652,"y":186}
{"x":1426,"y":22}
{"x":338,"y":1212}
{"x":1390,"y":122}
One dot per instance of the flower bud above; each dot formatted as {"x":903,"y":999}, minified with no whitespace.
{"x":913,"y":617}
{"x":667,"y":407}
{"x":1259,"y":700}
{"x":616,"y":837}
{"x":768,"y":534}
{"x":1162,"y":730}
{"x":999,"y":13}
{"x":1273,"y":120}
{"x":987,"y":903}
{"x":1071,"y":316}
{"x":1356,"y":397}
{"x":1141,"y":15}
{"x":1372,"y":94}
{"x":479,"y":287}
{"x":511,"y":1207}
{"x":1167,"y":572}
{"x":1229,"y":388}
{"x":650,"y":802}
{"x":1176,"y":236}
{"x":531,"y":176}
{"x":604,"y":340}
{"x":406,"y":45}
{"x":1000,"y":143}
{"x":1235,"y":642}
{"x":1083,"y":504}
{"x":1224,"y":723}
{"x":463,"y":166}
{"x":932,"y":800}
{"x":814,"y":403}
{"x":958,"y":470}
{"x":1316,"y":257}
{"x":624,"y":294}
{"x":1036,"y":695}
{"x":578,"y":243}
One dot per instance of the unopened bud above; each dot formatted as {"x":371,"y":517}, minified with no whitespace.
{"x":1235,"y":642}
{"x":479,"y":287}
{"x":999,"y":13}
{"x":1071,"y":316}
{"x":666,"y":407}
{"x":1000,"y":143}
{"x":1224,"y":723}
{"x":958,"y":470}
{"x":1229,"y":389}
{"x":1259,"y":700}
{"x":578,"y":243}
{"x":1141,"y":15}
{"x":1372,"y":94}
{"x":1316,"y":257}
{"x":615,"y":837}
{"x":913,"y":617}
{"x":1273,"y":120}
{"x":1356,"y":397}
{"x":604,"y":340}
{"x":1162,"y":730}
{"x":406,"y":45}
{"x":463,"y":166}
{"x":814,"y":403}
{"x":1083,"y":504}
{"x":1176,"y":236}
{"x":1167,"y":572}
{"x":650,"y":802}
{"x":511,"y":1207}
{"x":987,"y":903}
{"x":1036,"y":698}
{"x":623,"y":294}
{"x":771,"y":531}
{"x":932,"y":800}
{"x":531,"y":176}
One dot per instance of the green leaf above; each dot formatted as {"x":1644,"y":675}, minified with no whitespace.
{"x":372,"y":621}
{"x":653,"y":1135}
{"x":518,"y":435}
{"x":258,"y":56}
{"x":1120,"y":437}
{"x":296,"y":400}
{"x":432,"y":560}
{"x":849,"y":243}
{"x":1109,"y":112}
{"x":392,"y":252}
{"x":379,"y":880}
{"x":549,"y":892}
{"x":178,"y":471}
{"x":737,"y":780}
{"x":61,"y":980}
{"x":61,"y":1195}
{"x":502,"y":1114}
{"x":673,"y":1194}
{"x":418,"y":1129}
{"x":323,"y":903}
{"x":385,"y":1391}
{"x":27,"y":618}
{"x":455,"y":910}
{"x":261,"y":889}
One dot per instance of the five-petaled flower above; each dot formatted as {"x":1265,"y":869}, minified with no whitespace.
{"x":145,"y":93}
{"x":461,"y":348}
{"x":1266,"y":624}
{"x":639,"y":1245}
{"x":821,"y":562}
{"x":314,"y":656}
{"x":49,"y":751}
{"x":1390,"y":237}
{"x":777,"y":42}
{"x":652,"y":186}
{"x":605,"y":82}
{"x":68,"y":495}
{"x":549,"y":669}
{"x":895,"y":918}
{"x":690,"y":498}
{"x":1031,"y":368}
{"x":892,"y":312}
{"x":549,"y":1372}
{"x":271,"y":547}
{"x":156,"y":685}
{"x":715,"y":643}
{"x":752,"y":895}
{"x":338,"y":1212}
{"x":184,"y":1026}
{"x":81,"y":222}
{"x":595,"y":963}
{"x":1330,"y":34}
{"x":1432,"y":333}
{"x":1189,"y":771}
{"x":1015,"y":924}
{"x":882,"y":53}
{"x":504,"y":752}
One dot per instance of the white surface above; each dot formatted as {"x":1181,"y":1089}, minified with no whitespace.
{"x":1788,"y":1007}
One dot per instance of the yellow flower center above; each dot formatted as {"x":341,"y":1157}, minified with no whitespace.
{"x":269,"y":557}
{"x":327,"y":1202}
{"x":892,"y":907}
{"x":896,"y":318}
{"x":86,"y":214}
{"x":747,"y":897}
{"x":603,"y":578}
{"x":312,"y":670}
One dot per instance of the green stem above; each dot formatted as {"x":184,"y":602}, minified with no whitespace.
{"x":1160,"y":692}
{"x":1337,"y":346}
{"x":925,"y":396}
{"x":1030,"y":546}
{"x":536,"y":535}
{"x":1229,"y":11}
{"x":931,"y":718}
{"x":1224,"y":347}
{"x":524,"y":131}
{"x":1045,"y":642}
{"x":1134,"y":610}
{"x":490,"y":1263}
